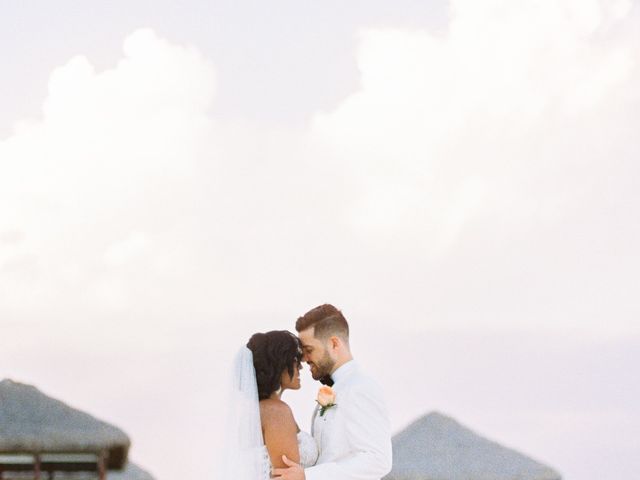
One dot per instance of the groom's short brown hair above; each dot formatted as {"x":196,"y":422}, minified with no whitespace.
{"x":327,"y":321}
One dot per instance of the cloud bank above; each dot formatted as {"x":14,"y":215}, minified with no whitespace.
{"x":488,"y":167}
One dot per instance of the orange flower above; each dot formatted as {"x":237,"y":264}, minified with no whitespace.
{"x":326,"y":396}
{"x":326,"y":399}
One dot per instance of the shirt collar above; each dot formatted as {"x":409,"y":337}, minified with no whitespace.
{"x":344,"y":371}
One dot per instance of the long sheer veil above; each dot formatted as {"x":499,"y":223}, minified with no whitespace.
{"x":244,"y":453}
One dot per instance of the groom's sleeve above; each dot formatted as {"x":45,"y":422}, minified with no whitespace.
{"x":369,"y":435}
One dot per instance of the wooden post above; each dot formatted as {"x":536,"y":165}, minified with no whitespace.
{"x":102,"y":468}
{"x":36,"y":467}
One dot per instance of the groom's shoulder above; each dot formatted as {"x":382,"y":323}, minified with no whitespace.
{"x":362,"y":381}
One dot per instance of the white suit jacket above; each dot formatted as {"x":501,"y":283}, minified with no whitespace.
{"x":354,"y":437}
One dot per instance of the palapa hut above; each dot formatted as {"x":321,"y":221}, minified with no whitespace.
{"x":436,"y":447}
{"x":39,"y":434}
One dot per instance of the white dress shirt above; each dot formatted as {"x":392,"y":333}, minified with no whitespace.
{"x":354,"y":436}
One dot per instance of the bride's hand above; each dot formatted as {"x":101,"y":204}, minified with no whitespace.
{"x":293,"y":472}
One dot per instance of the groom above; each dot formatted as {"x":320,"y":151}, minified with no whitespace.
{"x":353,"y":436}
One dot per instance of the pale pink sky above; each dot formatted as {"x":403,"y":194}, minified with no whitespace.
{"x":460,"y":179}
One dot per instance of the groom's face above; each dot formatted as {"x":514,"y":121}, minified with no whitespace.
{"x":317,"y":354}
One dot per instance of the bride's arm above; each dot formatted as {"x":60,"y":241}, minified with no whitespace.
{"x":280,"y":432}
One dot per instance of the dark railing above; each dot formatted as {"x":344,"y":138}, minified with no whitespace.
{"x":52,"y":463}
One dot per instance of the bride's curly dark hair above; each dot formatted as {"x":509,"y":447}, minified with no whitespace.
{"x":273,"y":353}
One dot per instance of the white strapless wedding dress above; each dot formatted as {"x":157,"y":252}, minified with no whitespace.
{"x":308,"y":453}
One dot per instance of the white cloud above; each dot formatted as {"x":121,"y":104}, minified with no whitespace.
{"x":114,"y":154}
{"x":468,"y":166}
{"x":494,"y":143}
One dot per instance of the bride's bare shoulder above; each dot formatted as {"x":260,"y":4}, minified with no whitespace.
{"x":275,"y":410}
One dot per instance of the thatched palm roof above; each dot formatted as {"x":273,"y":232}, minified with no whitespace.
{"x":436,"y":447}
{"x":31,"y":421}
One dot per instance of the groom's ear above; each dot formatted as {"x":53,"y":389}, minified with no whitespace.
{"x":335,"y":342}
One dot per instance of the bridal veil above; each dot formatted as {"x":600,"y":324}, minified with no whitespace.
{"x":244,"y":453}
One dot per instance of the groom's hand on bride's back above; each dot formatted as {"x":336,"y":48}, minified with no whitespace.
{"x":293,"y":471}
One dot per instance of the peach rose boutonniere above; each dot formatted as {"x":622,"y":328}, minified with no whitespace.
{"x":326,"y":399}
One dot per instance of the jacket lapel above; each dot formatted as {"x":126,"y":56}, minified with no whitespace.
{"x":313,"y":419}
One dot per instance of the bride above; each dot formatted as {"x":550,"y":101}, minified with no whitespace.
{"x":261,"y":427}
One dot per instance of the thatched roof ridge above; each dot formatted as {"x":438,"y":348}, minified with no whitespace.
{"x":31,"y":421}
{"x":436,"y":447}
